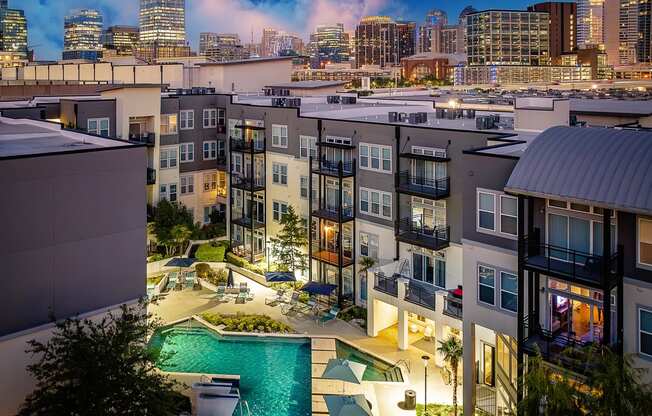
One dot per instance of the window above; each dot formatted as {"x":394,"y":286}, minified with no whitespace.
{"x":210,"y":182}
{"x":488,"y":354}
{"x":210,"y":118}
{"x":279,"y":136}
{"x":486,"y":285}
{"x":169,"y":192}
{"x":187,"y":184}
{"x":508,"y":291}
{"x":486,"y":211}
{"x":376,"y":203}
{"x":236,"y":163}
{"x":557,"y":204}
{"x":99,"y":126}
{"x":645,"y":332}
{"x":369,"y":245}
{"x":280,"y":173}
{"x":278,"y":210}
{"x":210,"y":150}
{"x":221,"y":117}
{"x":187,"y":119}
{"x":429,"y":270}
{"x":508,"y":215}
{"x":168,"y":158}
{"x":303,"y":185}
{"x":645,"y":241}
{"x":208,"y":210}
{"x":307,"y":147}
{"x":234,"y":132}
{"x":168,"y":124}
{"x":186,"y":152}
{"x":376,"y":157}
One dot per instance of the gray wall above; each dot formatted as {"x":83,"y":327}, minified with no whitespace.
{"x":78,"y":112}
{"x":74,"y":233}
{"x":198,"y":134}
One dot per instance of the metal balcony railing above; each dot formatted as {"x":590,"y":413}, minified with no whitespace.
{"x":332,"y":213}
{"x":143,"y":138}
{"x":386,"y":284}
{"x":248,"y":183}
{"x":248,"y":145}
{"x":422,"y":186}
{"x":333,"y":168}
{"x":414,"y":232}
{"x":421,"y":294}
{"x":452,"y":306}
{"x":151,"y":176}
{"x":330,"y":253}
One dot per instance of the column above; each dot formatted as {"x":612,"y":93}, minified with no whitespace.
{"x":468,"y":366}
{"x":403,"y":329}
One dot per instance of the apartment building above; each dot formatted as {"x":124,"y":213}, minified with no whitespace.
{"x":73,"y":236}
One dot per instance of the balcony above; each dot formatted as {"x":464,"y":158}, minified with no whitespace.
{"x":247,"y":183}
{"x":336,"y":169}
{"x":386,"y":284}
{"x":247,"y":145}
{"x":559,"y":348}
{"x":421,"y":294}
{"x":564,"y":263}
{"x":333,"y":213}
{"x":221,"y":163}
{"x":143,"y":138}
{"x":330,"y":254}
{"x":423,"y":187}
{"x":453,"y":306}
{"x":412,"y":232}
{"x":431,"y":158}
{"x":151,"y":176}
{"x":247,"y":222}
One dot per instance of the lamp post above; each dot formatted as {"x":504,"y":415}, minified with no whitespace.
{"x":425,"y":359}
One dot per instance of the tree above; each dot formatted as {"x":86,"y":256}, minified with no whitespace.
{"x":100,"y":368}
{"x":289,"y":241}
{"x":452,"y":351}
{"x":169,"y":214}
{"x":366,"y":263}
{"x":179,"y":236}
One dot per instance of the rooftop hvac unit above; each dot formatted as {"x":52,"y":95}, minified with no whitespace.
{"x":412,"y":118}
{"x":392,"y":116}
{"x":470,"y":113}
{"x":210,"y":90}
{"x":484,"y":123}
{"x":333,"y":99}
{"x":293,"y":102}
{"x":423,"y":117}
{"x":278,"y":102}
{"x":402,"y":117}
{"x":440,"y":113}
{"x":452,"y":114}
{"x":349,"y":100}
{"x":267,"y":92}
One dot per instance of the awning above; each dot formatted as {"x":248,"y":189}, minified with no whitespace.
{"x":180,"y":262}
{"x":315,"y":288}
{"x":278,"y":277}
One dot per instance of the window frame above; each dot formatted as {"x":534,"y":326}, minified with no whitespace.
{"x":479,"y":210}
{"x":212,"y":148}
{"x":503,"y":272}
{"x":167,"y":158}
{"x":303,"y":178}
{"x":184,"y":154}
{"x":370,"y":202}
{"x":278,"y":212}
{"x":639,"y":263}
{"x":279,"y":175}
{"x":280,"y":136}
{"x":210,"y":115}
{"x":370,"y":247}
{"x":212,"y":181}
{"x":369,"y":158}
{"x":98,"y":130}
{"x":191,"y":119}
{"x":501,"y":214}
{"x":640,"y":330}
{"x":176,"y":125}
{"x":493,"y":305}
{"x":310,"y":143}
{"x":187,"y":185}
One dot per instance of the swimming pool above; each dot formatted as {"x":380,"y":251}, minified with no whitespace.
{"x":377,"y":370}
{"x":274,"y":372}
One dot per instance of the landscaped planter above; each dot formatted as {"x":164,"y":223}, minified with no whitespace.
{"x":258,"y":278}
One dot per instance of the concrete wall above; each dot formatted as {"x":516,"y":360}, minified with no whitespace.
{"x":538,"y":114}
{"x":72,"y":227}
{"x":249,"y":77}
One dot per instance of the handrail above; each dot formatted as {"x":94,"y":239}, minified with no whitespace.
{"x":257,"y":144}
{"x":333,"y":166}
{"x":435,"y":184}
{"x":397,"y":364}
{"x":386,"y":284}
{"x":347,"y":211}
{"x":409,"y":225}
{"x":455,"y":310}
{"x":420,"y":295}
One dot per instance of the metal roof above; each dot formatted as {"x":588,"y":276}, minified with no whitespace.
{"x":609,"y":168}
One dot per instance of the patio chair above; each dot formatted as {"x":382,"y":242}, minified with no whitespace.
{"x":172,"y":281}
{"x":221,"y":293}
{"x":329,"y":316}
{"x":275,"y":300}
{"x":291,"y":305}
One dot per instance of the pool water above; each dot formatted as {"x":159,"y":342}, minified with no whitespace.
{"x":274,"y":372}
{"x":377,"y":370}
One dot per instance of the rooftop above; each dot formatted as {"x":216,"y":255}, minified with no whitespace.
{"x":25,"y":138}
{"x":247,"y":61}
{"x":307,"y":84}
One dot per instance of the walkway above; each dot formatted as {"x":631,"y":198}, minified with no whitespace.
{"x":183,"y":304}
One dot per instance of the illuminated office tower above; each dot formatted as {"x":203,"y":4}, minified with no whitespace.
{"x":121,"y":39}
{"x":82,"y":32}
{"x":13,"y":37}
{"x":435,"y":19}
{"x":329,"y":45}
{"x":590,"y":23}
{"x":407,"y":39}
{"x":376,"y":42}
{"x":163,"y":29}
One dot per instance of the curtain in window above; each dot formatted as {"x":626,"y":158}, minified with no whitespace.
{"x":557,"y":235}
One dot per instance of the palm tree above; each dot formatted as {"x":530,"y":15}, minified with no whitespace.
{"x":452,"y":351}
{"x":180,"y":234}
{"x":366,"y":263}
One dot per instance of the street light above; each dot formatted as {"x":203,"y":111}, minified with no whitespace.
{"x":425,"y":359}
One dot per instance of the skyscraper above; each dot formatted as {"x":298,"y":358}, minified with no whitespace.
{"x":222,"y":47}
{"x":120,"y":39}
{"x":626,"y":14}
{"x":163,"y":29}
{"x":13,"y":34}
{"x":328,"y":44}
{"x":4,"y":4}
{"x":82,"y":32}
{"x":590,"y":23}
{"x":563,"y":27}
{"x":267,"y":41}
{"x":407,"y":39}
{"x":376,"y":42}
{"x":435,"y":19}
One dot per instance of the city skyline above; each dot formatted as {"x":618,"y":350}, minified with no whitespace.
{"x":300,"y":16}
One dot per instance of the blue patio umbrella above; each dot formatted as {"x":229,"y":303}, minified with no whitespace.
{"x":279,"y":277}
{"x":344,"y":370}
{"x":183,"y":262}
{"x":316,"y":288}
{"x":356,"y":405}
{"x":229,"y":279}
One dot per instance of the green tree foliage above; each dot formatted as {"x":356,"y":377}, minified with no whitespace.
{"x":100,"y":368}
{"x":452,"y":351}
{"x":289,"y":243}
{"x":167,"y":216}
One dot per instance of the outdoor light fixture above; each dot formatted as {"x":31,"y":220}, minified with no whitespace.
{"x":425,"y":359}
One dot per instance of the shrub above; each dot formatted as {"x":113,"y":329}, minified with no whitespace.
{"x":240,"y":262}
{"x":154,"y":280}
{"x":202,"y":270}
{"x":212,"y":251}
{"x":155,"y":257}
{"x":247,"y":323}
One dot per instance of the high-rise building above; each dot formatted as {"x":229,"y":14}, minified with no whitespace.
{"x":13,"y":35}
{"x":407,"y":39}
{"x":328,"y":44}
{"x":267,"y":41}
{"x":508,"y":37}
{"x":120,"y":39}
{"x":625,"y":13}
{"x":4,"y":4}
{"x":590,"y":23}
{"x":82,"y":32}
{"x":434,"y":19}
{"x":644,"y":44}
{"x":222,"y":47}
{"x":163,"y":29}
{"x":563,"y":26}
{"x":376,"y":42}
{"x":448,"y":40}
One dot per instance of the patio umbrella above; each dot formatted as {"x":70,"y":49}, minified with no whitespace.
{"x":355,"y":405}
{"x":229,"y":279}
{"x":315,"y":288}
{"x":344,"y":370}
{"x":279,"y":277}
{"x":182,"y":262}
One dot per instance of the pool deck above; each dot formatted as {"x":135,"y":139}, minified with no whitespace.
{"x":383,"y":396}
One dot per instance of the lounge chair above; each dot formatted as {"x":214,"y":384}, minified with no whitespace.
{"x":329,"y":316}
{"x":221,"y":293}
{"x":275,"y":300}
{"x":172,"y":281}
{"x":292,"y":304}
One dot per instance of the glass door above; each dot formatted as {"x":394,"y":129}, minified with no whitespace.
{"x":560,"y":314}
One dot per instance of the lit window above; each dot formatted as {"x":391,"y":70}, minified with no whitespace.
{"x":645,"y":241}
{"x":168,"y":124}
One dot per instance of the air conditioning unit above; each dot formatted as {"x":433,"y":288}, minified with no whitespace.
{"x":349,"y":100}
{"x":333,"y":99}
{"x":392,"y":116}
